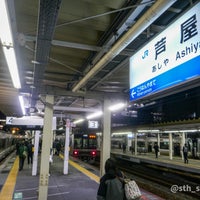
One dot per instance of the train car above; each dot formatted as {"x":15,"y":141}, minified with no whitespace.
{"x":85,"y":146}
{"x":145,"y":143}
{"x":7,"y":144}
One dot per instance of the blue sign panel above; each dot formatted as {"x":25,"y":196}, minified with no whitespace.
{"x":170,"y":59}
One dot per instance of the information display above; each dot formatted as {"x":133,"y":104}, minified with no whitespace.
{"x":93,"y":124}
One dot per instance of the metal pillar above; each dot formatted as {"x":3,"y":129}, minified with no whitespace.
{"x":146,"y":142}
{"x":46,"y":145}
{"x":182,"y":144}
{"x":66,"y":153}
{"x":106,"y":136}
{"x":135,"y":143}
{"x":158,"y":141}
{"x":170,"y":146}
{"x":35,"y":154}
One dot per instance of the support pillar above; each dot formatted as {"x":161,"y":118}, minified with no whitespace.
{"x":135,"y":143}
{"x":35,"y":154}
{"x":66,"y":153}
{"x":106,"y":136}
{"x":46,"y":145}
{"x":158,"y":141}
{"x":170,"y":146}
{"x":182,"y":144}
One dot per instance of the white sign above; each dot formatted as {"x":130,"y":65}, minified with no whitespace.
{"x":28,"y":121}
{"x":169,"y":59}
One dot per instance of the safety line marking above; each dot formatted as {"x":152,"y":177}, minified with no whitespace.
{"x":8,"y":188}
{"x":83,"y":170}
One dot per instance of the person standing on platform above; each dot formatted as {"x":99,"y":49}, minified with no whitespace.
{"x":22,"y":154}
{"x":185,"y":153}
{"x":30,"y":148}
{"x":58,"y":147}
{"x":111,"y":187}
{"x":124,"y":147}
{"x":156,"y":149}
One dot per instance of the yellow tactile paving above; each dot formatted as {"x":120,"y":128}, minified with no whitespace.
{"x":9,"y":186}
{"x":83,"y":170}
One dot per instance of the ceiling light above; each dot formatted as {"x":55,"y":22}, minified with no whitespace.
{"x":97,"y":114}
{"x":78,"y":121}
{"x":122,"y":133}
{"x":12,"y":65}
{"x":5,"y":30}
{"x":117,"y":106}
{"x":8,"y":44}
{"x":148,"y":131}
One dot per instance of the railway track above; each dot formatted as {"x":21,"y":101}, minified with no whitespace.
{"x":166,"y":183}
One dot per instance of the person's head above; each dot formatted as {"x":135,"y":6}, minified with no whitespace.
{"x":110,"y":165}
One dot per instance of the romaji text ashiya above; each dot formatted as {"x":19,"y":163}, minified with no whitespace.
{"x":188,"y":30}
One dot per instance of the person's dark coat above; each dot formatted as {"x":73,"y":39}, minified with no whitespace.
{"x":111,"y":187}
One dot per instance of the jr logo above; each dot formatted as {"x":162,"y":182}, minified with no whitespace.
{"x":145,"y":54}
{"x":9,"y":120}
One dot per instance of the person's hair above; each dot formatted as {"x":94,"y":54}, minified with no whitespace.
{"x":110,"y":165}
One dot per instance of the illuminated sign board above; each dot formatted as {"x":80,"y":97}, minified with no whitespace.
{"x":170,"y":59}
{"x":28,"y":121}
{"x":93,"y":124}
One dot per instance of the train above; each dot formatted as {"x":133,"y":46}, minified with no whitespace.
{"x":86,"y":144}
{"x":146,"y":141}
{"x":7,"y":144}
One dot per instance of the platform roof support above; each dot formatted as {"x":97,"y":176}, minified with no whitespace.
{"x":182,"y":144}
{"x":35,"y":155}
{"x":46,"y":145}
{"x":106,"y":137}
{"x":136,"y":143}
{"x":170,"y":146}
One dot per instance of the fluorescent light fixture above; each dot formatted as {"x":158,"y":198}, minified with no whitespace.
{"x":21,"y":100}
{"x":97,"y":114}
{"x":78,"y":121}
{"x":117,"y":106}
{"x":122,"y":133}
{"x":5,"y":30}
{"x":182,"y":131}
{"x":8,"y":44}
{"x":148,"y":131}
{"x":12,"y":65}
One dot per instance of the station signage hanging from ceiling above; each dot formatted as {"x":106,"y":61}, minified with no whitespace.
{"x":29,"y":121}
{"x":170,"y":59}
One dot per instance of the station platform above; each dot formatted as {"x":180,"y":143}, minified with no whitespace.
{"x":176,"y":163}
{"x":81,"y":182}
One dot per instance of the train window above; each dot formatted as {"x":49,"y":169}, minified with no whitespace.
{"x":92,"y":143}
{"x":141,"y":144}
{"x":164,"y":145}
{"x":77,"y":143}
{"x":85,"y":143}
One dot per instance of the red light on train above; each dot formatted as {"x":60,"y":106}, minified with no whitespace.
{"x":93,"y":153}
{"x":75,"y":152}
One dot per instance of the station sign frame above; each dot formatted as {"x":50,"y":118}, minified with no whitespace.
{"x":28,"y":121}
{"x":169,"y":60}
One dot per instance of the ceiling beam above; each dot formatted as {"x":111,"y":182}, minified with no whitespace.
{"x":158,"y":8}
